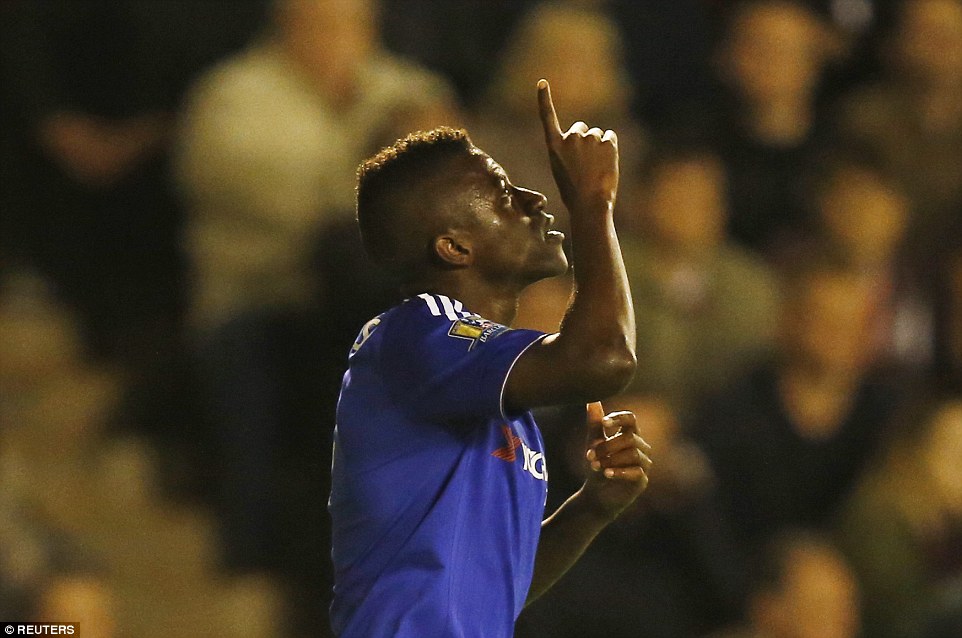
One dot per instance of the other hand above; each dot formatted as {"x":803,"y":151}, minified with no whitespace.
{"x":617,"y":458}
{"x":97,"y":152}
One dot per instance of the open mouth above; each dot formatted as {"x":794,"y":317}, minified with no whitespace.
{"x":554,"y":236}
{"x":549,"y":234}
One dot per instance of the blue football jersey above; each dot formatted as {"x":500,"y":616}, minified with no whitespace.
{"x":437,"y":494}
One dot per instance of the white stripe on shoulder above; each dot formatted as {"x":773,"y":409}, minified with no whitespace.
{"x":459,"y":308}
{"x":448,"y":308}
{"x":432,"y":304}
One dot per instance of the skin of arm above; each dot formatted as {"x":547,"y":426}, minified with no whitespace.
{"x":619,"y":466}
{"x":593,"y":355}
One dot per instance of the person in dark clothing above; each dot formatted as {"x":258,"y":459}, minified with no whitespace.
{"x":787,"y":439}
{"x":90,"y":91}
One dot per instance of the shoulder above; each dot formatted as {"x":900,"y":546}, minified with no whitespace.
{"x":393,"y":77}
{"x":439,"y":360}
{"x":436,"y":308}
{"x":435,"y":316}
{"x":256,"y":71}
{"x":426,"y":313}
{"x":425,"y":323}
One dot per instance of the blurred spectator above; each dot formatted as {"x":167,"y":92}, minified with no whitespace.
{"x":270,"y":143}
{"x":948,"y":283}
{"x":26,"y":551}
{"x":902,"y":527}
{"x":458,"y":38}
{"x":90,"y":92}
{"x":270,"y":140}
{"x":862,"y":215}
{"x":579,"y":49}
{"x":704,"y":307}
{"x":802,"y":587}
{"x":665,"y":568}
{"x":787,"y":439}
{"x":668,"y":53}
{"x":90,"y":89}
{"x":946,"y":620}
{"x":268,"y":150}
{"x":79,"y":596}
{"x":913,"y":117}
{"x":770,"y":62}
{"x":47,"y":575}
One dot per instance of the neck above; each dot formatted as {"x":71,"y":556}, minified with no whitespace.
{"x":817,"y":400}
{"x":820,"y":378}
{"x":337,"y":88}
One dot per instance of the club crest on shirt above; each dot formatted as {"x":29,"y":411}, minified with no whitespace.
{"x":476,"y":330}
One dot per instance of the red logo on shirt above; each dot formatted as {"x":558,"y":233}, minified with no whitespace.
{"x":507,"y":453}
{"x":533,"y":460}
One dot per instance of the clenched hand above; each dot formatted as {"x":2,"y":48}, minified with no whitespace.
{"x":618,"y":460}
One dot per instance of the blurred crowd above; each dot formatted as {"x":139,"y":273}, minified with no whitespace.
{"x":180,"y":177}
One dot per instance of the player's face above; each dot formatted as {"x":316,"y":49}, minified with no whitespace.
{"x":514,"y":238}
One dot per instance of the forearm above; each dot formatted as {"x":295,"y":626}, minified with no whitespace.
{"x":565,"y":536}
{"x":601,"y":315}
{"x":597,"y":335}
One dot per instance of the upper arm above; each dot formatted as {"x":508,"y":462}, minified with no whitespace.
{"x":554,"y":371}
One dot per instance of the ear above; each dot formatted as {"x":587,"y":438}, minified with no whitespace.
{"x":454,"y":249}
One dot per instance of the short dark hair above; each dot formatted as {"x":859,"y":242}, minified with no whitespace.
{"x":397,"y":181}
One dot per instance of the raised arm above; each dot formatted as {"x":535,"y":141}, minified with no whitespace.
{"x":593,"y":355}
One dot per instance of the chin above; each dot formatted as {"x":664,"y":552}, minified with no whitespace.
{"x":555,"y":268}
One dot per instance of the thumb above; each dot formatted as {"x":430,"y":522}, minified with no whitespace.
{"x":595,"y":421}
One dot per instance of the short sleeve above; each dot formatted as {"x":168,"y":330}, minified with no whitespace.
{"x":449,"y":367}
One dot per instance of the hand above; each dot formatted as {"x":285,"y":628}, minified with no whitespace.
{"x":97,"y":152}
{"x":584,"y":161}
{"x":619,"y":461}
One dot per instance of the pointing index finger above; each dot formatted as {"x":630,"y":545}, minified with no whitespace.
{"x":549,"y":118}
